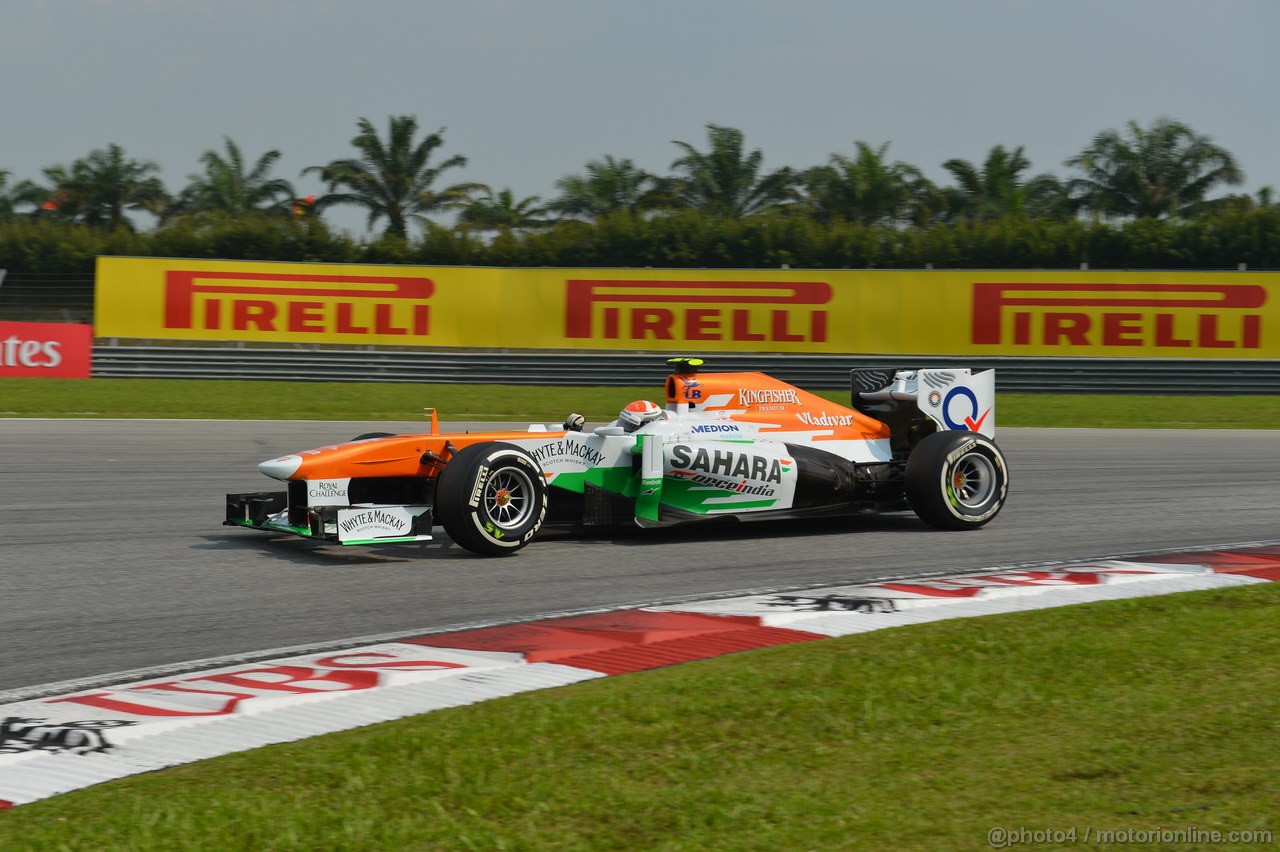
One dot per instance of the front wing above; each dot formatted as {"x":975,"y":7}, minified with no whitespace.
{"x":366,"y":523}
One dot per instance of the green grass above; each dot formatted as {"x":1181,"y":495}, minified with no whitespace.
{"x":1148,"y":714}
{"x":1139,"y":714}
{"x":248,"y":400}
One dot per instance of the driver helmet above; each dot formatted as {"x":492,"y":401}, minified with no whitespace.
{"x":638,"y":413}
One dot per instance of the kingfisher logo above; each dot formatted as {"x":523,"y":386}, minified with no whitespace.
{"x":364,"y":305}
{"x":776,"y":396}
{"x":733,"y":311}
{"x":1159,"y":316}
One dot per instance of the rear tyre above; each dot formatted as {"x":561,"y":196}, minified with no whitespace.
{"x":956,"y":480}
{"x":491,"y":498}
{"x":367,"y":435}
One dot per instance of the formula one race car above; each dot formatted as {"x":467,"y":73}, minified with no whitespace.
{"x":726,"y":445}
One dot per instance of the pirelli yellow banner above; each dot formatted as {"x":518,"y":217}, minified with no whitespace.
{"x":1030,"y":313}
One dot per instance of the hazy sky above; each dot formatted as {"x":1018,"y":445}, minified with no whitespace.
{"x":530,"y":90}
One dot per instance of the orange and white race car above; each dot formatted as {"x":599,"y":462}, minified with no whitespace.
{"x":725,"y":445}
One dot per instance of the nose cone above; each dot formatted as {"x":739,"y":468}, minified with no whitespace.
{"x":281,"y":468}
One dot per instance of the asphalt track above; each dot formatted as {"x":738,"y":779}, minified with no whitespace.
{"x":112,"y":556}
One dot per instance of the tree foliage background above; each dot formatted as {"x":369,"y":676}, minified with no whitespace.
{"x":1139,"y":197}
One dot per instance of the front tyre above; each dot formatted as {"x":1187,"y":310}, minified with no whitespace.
{"x":956,"y":480}
{"x":491,"y":498}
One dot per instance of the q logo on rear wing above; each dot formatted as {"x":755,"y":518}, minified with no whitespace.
{"x":954,"y":398}
{"x":959,"y":399}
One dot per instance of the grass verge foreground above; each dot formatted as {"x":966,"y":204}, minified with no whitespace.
{"x":1157,"y":713}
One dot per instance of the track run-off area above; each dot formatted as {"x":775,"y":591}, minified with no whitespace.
{"x":113,"y":557}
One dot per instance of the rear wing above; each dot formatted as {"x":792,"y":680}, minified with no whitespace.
{"x":952,"y":398}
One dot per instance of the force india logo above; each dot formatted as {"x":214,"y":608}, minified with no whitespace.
{"x":362,"y":305}
{"x":1162,"y":316}
{"x":737,"y":311}
{"x":728,"y":470}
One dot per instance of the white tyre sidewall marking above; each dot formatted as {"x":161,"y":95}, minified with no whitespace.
{"x":993,"y":455}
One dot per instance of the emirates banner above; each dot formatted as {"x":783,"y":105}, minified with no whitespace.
{"x":49,"y":350}
{"x":1014,"y":313}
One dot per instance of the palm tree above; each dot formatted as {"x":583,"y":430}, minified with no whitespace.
{"x":1261,"y":200}
{"x":227,"y":187}
{"x":6,"y":202}
{"x":609,"y":186}
{"x":42,"y":201}
{"x":498,"y":211}
{"x":97,"y":190}
{"x":394,"y":180}
{"x":725,"y":181}
{"x":1164,"y":170}
{"x":868,"y":189}
{"x":53,"y":201}
{"x":997,"y":189}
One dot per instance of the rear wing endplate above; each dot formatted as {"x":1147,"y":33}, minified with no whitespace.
{"x":954,"y":398}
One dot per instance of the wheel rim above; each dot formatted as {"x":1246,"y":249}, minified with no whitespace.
{"x":508,"y":497}
{"x":973,"y":480}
